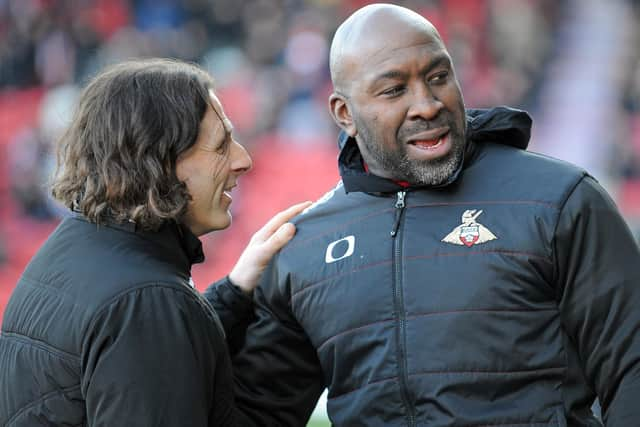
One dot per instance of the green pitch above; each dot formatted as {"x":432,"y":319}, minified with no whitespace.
{"x":318,"y":423}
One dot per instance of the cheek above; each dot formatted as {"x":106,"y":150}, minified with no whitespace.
{"x":376,"y":122}
{"x":199,"y":177}
{"x":379,"y":124}
{"x":387,"y":125}
{"x":452,"y":97}
{"x":220,"y":169}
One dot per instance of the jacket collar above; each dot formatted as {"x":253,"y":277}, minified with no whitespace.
{"x":191,"y":245}
{"x":502,"y":125}
{"x":171,"y":237}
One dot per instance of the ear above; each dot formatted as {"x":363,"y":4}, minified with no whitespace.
{"x":341,"y":115}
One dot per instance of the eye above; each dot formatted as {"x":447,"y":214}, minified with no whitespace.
{"x":224,"y":145}
{"x":394,"y":91}
{"x":439,"y":78}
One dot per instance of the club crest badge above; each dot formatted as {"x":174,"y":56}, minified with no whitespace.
{"x":470,"y":232}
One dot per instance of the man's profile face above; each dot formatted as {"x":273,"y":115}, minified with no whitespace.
{"x":407,"y":108}
{"x":210,"y":170}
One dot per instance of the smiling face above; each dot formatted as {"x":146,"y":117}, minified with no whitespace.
{"x":402,"y":102}
{"x":210,"y":169}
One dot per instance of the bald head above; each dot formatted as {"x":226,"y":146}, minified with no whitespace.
{"x":368,"y":31}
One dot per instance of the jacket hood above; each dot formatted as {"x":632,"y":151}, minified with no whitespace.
{"x":500,"y":125}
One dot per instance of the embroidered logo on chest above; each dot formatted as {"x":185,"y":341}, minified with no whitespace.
{"x":470,"y":232}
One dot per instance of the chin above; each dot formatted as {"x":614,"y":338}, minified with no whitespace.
{"x":224,"y":222}
{"x":211,"y":227}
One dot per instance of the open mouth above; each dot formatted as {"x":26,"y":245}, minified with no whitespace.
{"x":227,"y":192}
{"x":431,"y":140}
{"x":430,"y":144}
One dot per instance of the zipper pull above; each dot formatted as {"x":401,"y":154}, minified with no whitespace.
{"x":400,"y":201}
{"x":399,"y":208}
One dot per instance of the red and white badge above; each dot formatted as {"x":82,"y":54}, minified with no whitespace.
{"x":470,"y":232}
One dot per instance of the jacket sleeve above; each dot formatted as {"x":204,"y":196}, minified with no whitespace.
{"x":150,"y":358}
{"x":278,"y":378}
{"x":598,"y":271}
{"x":234,"y":308}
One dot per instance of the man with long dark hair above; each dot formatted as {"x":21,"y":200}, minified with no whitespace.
{"x":103,"y":327}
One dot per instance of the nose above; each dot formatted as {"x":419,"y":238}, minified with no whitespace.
{"x":424,"y":105}
{"x":240,"y":160}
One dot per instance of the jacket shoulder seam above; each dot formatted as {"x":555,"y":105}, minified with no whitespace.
{"x":42,"y":345}
{"x":43,"y":285}
{"x":556,"y":272}
{"x":547,"y":204}
{"x":570,"y":190}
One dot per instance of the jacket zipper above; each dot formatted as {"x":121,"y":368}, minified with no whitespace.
{"x":399,"y":209}
{"x":398,"y":301}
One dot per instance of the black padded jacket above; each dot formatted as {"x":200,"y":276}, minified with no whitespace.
{"x":103,"y":329}
{"x":508,"y":297}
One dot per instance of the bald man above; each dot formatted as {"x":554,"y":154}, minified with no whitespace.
{"x":451,"y":278}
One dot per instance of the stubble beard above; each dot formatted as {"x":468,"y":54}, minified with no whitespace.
{"x":417,"y":172}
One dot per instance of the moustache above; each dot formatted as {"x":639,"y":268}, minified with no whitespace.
{"x":421,"y":125}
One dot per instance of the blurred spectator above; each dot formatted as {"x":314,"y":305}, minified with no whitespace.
{"x":31,"y":154}
{"x":499,"y":47}
{"x":28,"y":157}
{"x":626,"y":147}
{"x":269,"y":58}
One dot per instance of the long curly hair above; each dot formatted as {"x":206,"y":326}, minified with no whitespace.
{"x":118,"y":157}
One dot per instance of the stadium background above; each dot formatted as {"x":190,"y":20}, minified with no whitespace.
{"x":574,"y":64}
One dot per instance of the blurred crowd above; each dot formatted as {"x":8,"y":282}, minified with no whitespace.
{"x":270,"y":62}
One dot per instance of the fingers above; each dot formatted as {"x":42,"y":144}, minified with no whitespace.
{"x":264,"y":244}
{"x":279,"y":219}
{"x":249,"y":267}
{"x":280,"y":238}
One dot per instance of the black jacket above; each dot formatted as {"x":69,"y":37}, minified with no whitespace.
{"x":508,"y":297}
{"x":103,"y":329}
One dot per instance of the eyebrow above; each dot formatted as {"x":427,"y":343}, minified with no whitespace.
{"x":226,"y":123}
{"x":438,"y":60}
{"x":228,"y":131}
{"x":227,"y":126}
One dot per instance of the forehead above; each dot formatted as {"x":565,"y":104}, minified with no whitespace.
{"x":406,"y":54}
{"x":401,"y":37}
{"x":401,"y":49}
{"x":403,"y":63}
